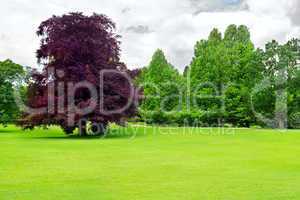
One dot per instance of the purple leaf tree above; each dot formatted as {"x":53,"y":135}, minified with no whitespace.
{"x":83,"y":83}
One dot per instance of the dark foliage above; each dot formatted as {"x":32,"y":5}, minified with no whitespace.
{"x":76,"y":48}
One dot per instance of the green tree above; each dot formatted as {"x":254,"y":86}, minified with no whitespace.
{"x":162,"y":85}
{"x":294,"y":101}
{"x":11,"y":74}
{"x":281,"y":68}
{"x":223,"y":71}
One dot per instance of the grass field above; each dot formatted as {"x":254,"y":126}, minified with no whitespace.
{"x":152,"y":163}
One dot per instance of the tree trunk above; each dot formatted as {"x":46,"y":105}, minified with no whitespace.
{"x":281,"y":100}
{"x":281,"y":109}
{"x":82,"y":128}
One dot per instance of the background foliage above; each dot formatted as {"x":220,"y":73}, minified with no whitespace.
{"x":228,"y":82}
{"x":217,"y":88}
{"x":11,"y":75}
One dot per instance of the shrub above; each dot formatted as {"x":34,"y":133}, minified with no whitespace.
{"x":213,"y":118}
{"x":294,"y":120}
{"x":155,"y":117}
{"x":185,"y":118}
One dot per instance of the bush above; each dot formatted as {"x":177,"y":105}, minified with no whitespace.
{"x":256,"y":127}
{"x":294,"y":120}
{"x":155,"y":117}
{"x":184,"y":118}
{"x":228,"y":125}
{"x":192,"y":118}
{"x":213,"y":119}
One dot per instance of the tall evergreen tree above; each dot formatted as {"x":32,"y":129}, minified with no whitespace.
{"x":227,"y":67}
{"x":161,"y":83}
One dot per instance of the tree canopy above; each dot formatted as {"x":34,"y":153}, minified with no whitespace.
{"x":226,"y":69}
{"x":162,"y":86}
{"x":229,"y":81}
{"x":83,"y":80}
{"x":11,"y":74}
{"x":279,"y":100}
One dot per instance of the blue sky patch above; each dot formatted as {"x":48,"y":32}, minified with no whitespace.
{"x":232,"y":1}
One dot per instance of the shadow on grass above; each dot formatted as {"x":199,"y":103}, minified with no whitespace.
{"x":112,"y":135}
{"x":8,"y":130}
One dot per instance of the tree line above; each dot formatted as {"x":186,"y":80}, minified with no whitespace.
{"x":229,"y":82}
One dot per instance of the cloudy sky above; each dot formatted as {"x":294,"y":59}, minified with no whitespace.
{"x":145,"y":25}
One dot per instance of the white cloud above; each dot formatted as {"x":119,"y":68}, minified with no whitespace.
{"x":294,"y":11}
{"x":173,"y":25}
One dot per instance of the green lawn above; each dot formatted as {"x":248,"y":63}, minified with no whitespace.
{"x":161,"y":163}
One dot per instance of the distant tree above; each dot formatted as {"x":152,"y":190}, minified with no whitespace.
{"x":243,"y":34}
{"x":294,"y":100}
{"x":231,"y":33}
{"x":76,"y":49}
{"x":281,"y":97}
{"x":215,"y":36}
{"x":161,"y":83}
{"x":11,"y":74}
{"x":227,"y":67}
